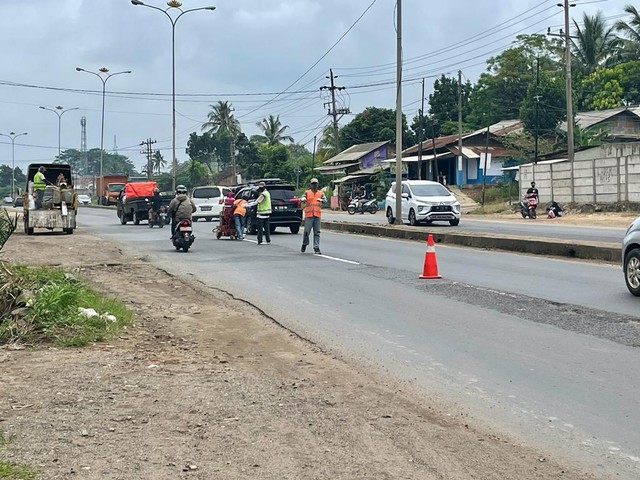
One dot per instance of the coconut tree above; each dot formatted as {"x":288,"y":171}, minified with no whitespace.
{"x":273,"y":131}
{"x":595,"y":44}
{"x":222,"y":123}
{"x":630,"y":43}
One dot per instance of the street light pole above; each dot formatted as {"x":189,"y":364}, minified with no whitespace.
{"x":173,"y":4}
{"x":59,"y":111}
{"x":104,"y":75}
{"x":13,"y":136}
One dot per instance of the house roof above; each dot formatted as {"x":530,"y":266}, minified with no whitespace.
{"x":497,"y":129}
{"x":335,"y":168}
{"x":593,"y":117}
{"x":355,"y":153}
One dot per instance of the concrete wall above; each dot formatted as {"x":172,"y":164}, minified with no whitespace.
{"x":605,"y":174}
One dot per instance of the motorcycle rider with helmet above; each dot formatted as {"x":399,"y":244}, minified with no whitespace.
{"x":180,"y":208}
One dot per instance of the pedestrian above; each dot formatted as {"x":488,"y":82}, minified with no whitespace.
{"x":313,"y":199}
{"x":39,"y":185}
{"x":238,"y":216}
{"x":263,"y":213}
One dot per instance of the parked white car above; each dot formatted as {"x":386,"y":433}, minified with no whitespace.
{"x":423,"y":201}
{"x":209,"y":201}
{"x":84,"y":199}
{"x":631,"y":257}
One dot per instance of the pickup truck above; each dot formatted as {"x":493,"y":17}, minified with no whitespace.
{"x":134,"y":202}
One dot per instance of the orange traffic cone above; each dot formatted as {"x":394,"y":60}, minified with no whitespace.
{"x":430,"y":269}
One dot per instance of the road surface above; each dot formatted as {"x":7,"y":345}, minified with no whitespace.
{"x":544,"y":349}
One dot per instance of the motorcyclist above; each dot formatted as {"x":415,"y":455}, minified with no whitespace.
{"x":156,"y":203}
{"x":180,"y":208}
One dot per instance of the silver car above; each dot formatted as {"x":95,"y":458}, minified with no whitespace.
{"x":631,"y":257}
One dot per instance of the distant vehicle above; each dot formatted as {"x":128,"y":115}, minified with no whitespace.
{"x":209,"y":201}
{"x":84,"y":199}
{"x":134,"y":202}
{"x":108,"y":187}
{"x":18,"y":202}
{"x":423,"y":201}
{"x":286,"y":208}
{"x":8,"y":200}
{"x":631,"y":257}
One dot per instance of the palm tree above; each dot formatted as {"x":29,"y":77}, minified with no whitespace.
{"x":158,"y":162}
{"x":630,"y":44}
{"x":221,"y":119}
{"x":596,"y":43}
{"x":273,"y":131}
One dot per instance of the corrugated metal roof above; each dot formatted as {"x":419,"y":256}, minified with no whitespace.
{"x":355,"y":153}
{"x":414,"y":158}
{"x":335,"y":168}
{"x":591,"y":118}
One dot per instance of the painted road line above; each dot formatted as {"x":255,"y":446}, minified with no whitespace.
{"x":351,"y":262}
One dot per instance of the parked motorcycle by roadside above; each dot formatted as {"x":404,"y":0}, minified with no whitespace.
{"x":528,"y":206}
{"x":362,"y":204}
{"x":183,"y":237}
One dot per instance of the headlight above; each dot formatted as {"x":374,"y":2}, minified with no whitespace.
{"x":421,"y":208}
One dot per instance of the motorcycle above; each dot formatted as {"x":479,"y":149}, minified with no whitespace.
{"x":362,"y":204}
{"x":158,"y":218}
{"x":528,"y":206}
{"x":183,"y":237}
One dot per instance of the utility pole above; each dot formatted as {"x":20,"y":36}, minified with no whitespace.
{"x":333,"y":111}
{"x":537,"y":98}
{"x":313,"y":158}
{"x":149,"y":154}
{"x":569,"y":90}
{"x":459,"y":120}
{"x":399,"y":220}
{"x":484,"y":169}
{"x":420,"y":135}
{"x":434,"y":168}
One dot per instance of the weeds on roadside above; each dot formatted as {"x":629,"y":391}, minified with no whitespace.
{"x":41,"y":305}
{"x":10,"y":470}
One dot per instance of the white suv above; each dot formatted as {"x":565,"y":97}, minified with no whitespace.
{"x":423,"y":201}
{"x":209,"y":201}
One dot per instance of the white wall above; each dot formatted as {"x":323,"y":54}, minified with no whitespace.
{"x":605,"y":174}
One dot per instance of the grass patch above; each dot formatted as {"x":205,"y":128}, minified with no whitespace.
{"x":14,"y":471}
{"x":42,"y":305}
{"x":493,"y":208}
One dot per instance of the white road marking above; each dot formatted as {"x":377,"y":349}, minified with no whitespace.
{"x":351,"y":262}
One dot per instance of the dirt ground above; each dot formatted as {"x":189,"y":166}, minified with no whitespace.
{"x":205,"y":387}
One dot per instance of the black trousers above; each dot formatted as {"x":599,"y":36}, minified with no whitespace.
{"x":263,"y":226}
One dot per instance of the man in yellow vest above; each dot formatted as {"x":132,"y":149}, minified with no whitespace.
{"x":313,"y":199}
{"x":39,"y":185}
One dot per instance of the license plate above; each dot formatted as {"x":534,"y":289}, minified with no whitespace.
{"x":205,"y":209}
{"x":440,"y":217}
{"x":186,"y":229}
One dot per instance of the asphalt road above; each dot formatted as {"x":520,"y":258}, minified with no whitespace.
{"x":525,"y":228}
{"x":544,"y":349}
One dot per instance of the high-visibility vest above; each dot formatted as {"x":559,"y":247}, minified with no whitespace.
{"x":313,"y":207}
{"x":240,"y":207}
{"x":38,"y":181}
{"x":264,"y":207}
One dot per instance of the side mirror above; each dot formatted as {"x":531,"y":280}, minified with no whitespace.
{"x":405,"y":196}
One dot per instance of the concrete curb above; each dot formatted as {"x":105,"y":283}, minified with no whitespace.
{"x":608,"y":252}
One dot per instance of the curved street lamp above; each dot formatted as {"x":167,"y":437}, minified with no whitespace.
{"x":13,"y":136}
{"x":173,"y":4}
{"x":59,"y":111}
{"x":104,"y":75}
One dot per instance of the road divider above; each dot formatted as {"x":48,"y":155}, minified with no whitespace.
{"x":608,"y":252}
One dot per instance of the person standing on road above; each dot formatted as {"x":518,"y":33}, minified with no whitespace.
{"x":238,"y":216}
{"x":313,"y":199}
{"x":263,"y":214}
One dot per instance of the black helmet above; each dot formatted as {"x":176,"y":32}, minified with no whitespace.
{"x":181,"y":189}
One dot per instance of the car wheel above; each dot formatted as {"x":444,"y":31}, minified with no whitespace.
{"x":632,"y":271}
{"x":351,"y":210}
{"x":68,"y":231}
{"x":454,"y":223}
{"x":294,"y":229}
{"x":123,"y":218}
{"x":413,"y":221}
{"x":390,"y":218}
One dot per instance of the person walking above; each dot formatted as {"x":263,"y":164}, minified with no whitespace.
{"x":238,"y":216}
{"x":263,"y":214}
{"x":313,"y":199}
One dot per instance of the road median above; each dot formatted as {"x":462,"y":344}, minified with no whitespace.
{"x":608,"y":252}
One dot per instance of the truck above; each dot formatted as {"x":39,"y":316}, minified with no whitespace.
{"x":108,"y":187}
{"x":134,"y":202}
{"x":59,"y":204}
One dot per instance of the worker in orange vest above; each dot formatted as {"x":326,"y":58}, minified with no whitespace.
{"x":238,"y":216}
{"x":313,"y":199}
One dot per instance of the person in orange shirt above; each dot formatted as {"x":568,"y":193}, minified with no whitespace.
{"x":313,"y":199}
{"x":239,"y":211}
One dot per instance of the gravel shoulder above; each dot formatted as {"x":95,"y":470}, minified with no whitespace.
{"x":204,"y":386}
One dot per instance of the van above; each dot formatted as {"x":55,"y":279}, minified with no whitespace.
{"x":209,"y":200}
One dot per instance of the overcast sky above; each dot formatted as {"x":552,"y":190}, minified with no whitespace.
{"x":246,"y":51}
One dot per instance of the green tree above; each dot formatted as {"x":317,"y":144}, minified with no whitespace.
{"x":326,"y":147}
{"x":88,"y":163}
{"x":630,"y":30}
{"x":595,"y":43}
{"x":375,"y":125}
{"x":202,"y":148}
{"x":158,"y":162}
{"x":248,"y":158}
{"x":274,"y":161}
{"x":443,"y":106}
{"x":221,"y":119}
{"x":273,"y":132}
{"x":611,"y":87}
{"x":544,"y":105}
